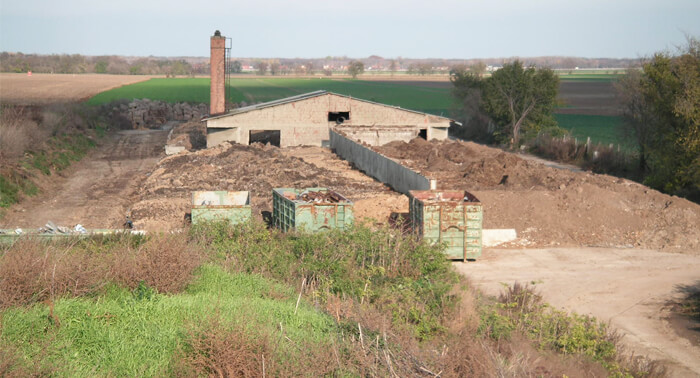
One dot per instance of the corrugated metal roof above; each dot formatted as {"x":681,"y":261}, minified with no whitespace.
{"x":269,"y":104}
{"x":305,"y":96}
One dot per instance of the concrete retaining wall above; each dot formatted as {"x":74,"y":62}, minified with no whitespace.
{"x":379,"y":166}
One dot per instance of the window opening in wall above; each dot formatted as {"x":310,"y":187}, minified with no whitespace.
{"x":265,"y":137}
{"x":423,"y":133}
{"x":338,"y":117}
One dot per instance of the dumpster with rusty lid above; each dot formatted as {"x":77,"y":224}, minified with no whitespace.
{"x":310,"y":209}
{"x":221,"y":205}
{"x":452,"y":217}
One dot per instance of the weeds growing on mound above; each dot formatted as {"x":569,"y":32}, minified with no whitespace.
{"x":397,"y":275}
{"x":520,"y":310}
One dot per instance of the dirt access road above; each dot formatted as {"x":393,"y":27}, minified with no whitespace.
{"x":630,"y":288}
{"x":97,"y":191}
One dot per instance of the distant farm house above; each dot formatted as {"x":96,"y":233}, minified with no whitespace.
{"x":306,"y":119}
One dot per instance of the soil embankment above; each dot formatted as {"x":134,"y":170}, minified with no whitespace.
{"x":551,"y":207}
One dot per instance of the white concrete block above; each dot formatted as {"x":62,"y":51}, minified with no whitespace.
{"x":172,"y":150}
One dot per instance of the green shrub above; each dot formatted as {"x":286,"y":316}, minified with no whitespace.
{"x":521,"y":308}
{"x":9,"y":192}
{"x":12,"y":184}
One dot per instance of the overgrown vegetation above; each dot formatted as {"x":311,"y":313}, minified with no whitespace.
{"x":689,"y":304}
{"x":598,"y":158}
{"x":245,"y":300}
{"x":514,"y":100}
{"x":660,"y":118}
{"x":41,"y":140}
{"x":520,"y":308}
{"x":661,"y":108}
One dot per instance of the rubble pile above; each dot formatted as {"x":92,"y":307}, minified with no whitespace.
{"x":321,"y":197}
{"x":151,"y":114}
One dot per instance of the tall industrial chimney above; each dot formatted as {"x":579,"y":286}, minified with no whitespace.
{"x":217,"y":100}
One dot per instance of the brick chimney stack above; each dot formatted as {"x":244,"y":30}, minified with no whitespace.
{"x":217,"y":101}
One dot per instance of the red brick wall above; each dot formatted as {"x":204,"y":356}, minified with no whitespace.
{"x":218,"y":89}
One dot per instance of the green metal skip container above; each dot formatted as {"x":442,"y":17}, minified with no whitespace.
{"x":450,"y":216}
{"x":294,"y":209}
{"x":221,"y":205}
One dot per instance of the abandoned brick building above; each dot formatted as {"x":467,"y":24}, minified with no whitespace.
{"x":306,"y":119}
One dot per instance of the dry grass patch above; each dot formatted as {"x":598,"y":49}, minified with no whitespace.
{"x":33,"y":270}
{"x":165,"y":263}
{"x":18,"y":131}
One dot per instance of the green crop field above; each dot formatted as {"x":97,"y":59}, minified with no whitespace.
{"x":407,"y":95}
{"x":588,"y":77}
{"x":601,"y":129}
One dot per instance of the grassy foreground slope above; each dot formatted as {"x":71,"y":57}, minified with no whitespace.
{"x":138,"y":333}
{"x":245,"y":300}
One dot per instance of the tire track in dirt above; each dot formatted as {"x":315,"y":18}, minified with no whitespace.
{"x":97,"y":191}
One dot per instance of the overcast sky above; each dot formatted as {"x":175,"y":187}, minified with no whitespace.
{"x":355,"y":28}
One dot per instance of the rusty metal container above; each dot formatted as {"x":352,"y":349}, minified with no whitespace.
{"x":296,"y":209}
{"x":449,"y":216}
{"x":221,"y":205}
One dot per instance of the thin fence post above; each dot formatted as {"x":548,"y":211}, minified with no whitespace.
{"x":588,"y":146}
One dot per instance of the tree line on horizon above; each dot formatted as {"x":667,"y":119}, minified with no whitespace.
{"x":190,"y":66}
{"x":115,"y":65}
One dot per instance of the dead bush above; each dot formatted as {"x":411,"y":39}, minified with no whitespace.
{"x":522,"y":298}
{"x":564,"y":149}
{"x":466,"y":356}
{"x":14,"y":364}
{"x":214,"y":349}
{"x":18,"y":131}
{"x":165,"y":263}
{"x":52,"y":120}
{"x":20,"y":270}
{"x":32,"y":271}
{"x":9,"y":361}
{"x":59,"y":118}
{"x":639,"y":366}
{"x":608,"y":160}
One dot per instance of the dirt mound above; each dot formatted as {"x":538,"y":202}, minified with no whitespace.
{"x":555,"y":207}
{"x":165,"y":197}
{"x":191,"y":135}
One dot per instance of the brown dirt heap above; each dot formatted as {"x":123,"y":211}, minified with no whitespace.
{"x":552,"y":207}
{"x":165,"y":196}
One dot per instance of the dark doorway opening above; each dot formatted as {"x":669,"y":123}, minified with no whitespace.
{"x":265,"y":136}
{"x":423,"y":133}
{"x":338,"y":117}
